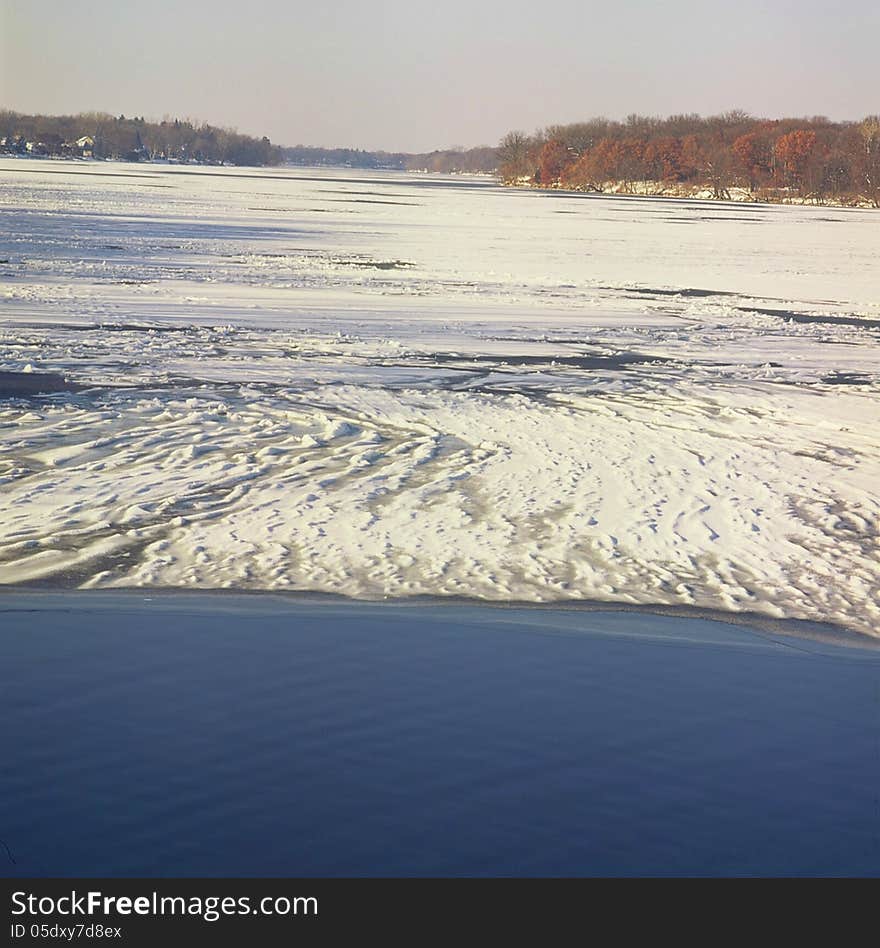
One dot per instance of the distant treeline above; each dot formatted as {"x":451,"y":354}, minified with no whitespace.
{"x":98,"y":135}
{"x":308,"y":155}
{"x":809,"y":159}
{"x":483,"y":160}
{"x":812,"y":159}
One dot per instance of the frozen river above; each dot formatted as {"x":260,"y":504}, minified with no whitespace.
{"x":385,"y":385}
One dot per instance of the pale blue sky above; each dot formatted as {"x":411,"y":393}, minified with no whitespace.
{"x":405,"y":74}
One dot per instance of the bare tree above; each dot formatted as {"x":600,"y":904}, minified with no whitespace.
{"x":514,"y":156}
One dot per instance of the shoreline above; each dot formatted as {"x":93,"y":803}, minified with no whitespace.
{"x":826,"y":633}
{"x":697,"y":194}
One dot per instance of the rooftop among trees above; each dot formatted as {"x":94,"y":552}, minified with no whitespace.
{"x":134,"y":139}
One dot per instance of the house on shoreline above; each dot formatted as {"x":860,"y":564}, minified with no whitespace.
{"x":52,"y":146}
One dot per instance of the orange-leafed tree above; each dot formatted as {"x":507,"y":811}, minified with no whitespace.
{"x":793,"y":152}
{"x":582,"y":176}
{"x":553,"y":160}
{"x":662,"y":159}
{"x":606,"y":160}
{"x":691,"y":158}
{"x":753,"y":155}
{"x":632,"y":161}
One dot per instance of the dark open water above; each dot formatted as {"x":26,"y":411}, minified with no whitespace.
{"x":175,"y":735}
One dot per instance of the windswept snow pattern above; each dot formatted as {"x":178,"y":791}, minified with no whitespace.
{"x":392,"y":385}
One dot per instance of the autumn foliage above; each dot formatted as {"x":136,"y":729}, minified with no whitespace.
{"x":553,"y":159}
{"x":811,"y":159}
{"x":793,"y":152}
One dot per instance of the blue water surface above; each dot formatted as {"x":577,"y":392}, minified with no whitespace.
{"x":187,"y":735}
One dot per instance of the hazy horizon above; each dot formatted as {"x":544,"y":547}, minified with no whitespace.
{"x":416,"y":78}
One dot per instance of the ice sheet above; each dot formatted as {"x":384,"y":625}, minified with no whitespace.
{"x":387,"y":385}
